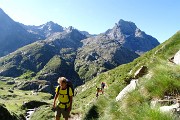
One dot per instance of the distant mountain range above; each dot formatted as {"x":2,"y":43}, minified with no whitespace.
{"x":44,"y":30}
{"x":49,"y":50}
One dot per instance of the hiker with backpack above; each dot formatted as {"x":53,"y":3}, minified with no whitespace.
{"x":64,"y":94}
{"x":101,"y":89}
{"x":102,"y":86}
{"x":98,"y":90}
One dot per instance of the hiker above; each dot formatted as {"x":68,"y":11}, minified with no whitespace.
{"x":98,"y":90}
{"x":102,"y":87}
{"x":64,"y":95}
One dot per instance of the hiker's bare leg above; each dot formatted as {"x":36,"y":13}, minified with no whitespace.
{"x":97,"y":95}
{"x":57,"y":118}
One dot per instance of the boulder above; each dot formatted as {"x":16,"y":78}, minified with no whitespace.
{"x":11,"y":91}
{"x":177,"y":58}
{"x":129,"y":88}
{"x":36,"y":85}
{"x":140,"y":72}
{"x":10,"y":82}
{"x":45,"y":88}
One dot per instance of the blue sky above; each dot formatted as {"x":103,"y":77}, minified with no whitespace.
{"x":159,"y":18}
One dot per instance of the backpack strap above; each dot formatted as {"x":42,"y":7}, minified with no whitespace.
{"x":58,"y":89}
{"x":68,"y":94}
{"x":67,"y":91}
{"x":64,"y":103}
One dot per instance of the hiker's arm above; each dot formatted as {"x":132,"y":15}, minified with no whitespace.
{"x":55,"y":98}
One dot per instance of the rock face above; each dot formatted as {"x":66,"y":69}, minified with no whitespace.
{"x":177,"y":58}
{"x":116,"y":46}
{"x":99,"y":54}
{"x":131,"y":37}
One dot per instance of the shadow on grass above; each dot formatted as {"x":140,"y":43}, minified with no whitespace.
{"x":92,"y":113}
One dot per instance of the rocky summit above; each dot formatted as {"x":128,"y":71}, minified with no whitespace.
{"x":131,"y":37}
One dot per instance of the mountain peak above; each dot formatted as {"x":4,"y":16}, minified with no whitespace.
{"x":70,"y":29}
{"x":121,"y":28}
{"x":126,"y":27}
{"x":131,"y":37}
{"x":49,"y":28}
{"x":50,"y":23}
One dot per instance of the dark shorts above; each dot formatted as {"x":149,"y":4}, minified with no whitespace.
{"x":62,"y":111}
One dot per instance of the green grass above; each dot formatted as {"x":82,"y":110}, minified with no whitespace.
{"x":43,"y":113}
{"x":14,"y":100}
{"x":167,"y":80}
{"x":27,"y":75}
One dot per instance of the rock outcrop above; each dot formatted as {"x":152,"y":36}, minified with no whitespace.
{"x":37,"y":85}
{"x":177,"y":58}
{"x":129,"y":88}
{"x":140,"y":72}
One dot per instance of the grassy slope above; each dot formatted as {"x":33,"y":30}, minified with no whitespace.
{"x":162,"y":77}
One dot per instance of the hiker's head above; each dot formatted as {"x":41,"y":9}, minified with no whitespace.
{"x":62,"y":82}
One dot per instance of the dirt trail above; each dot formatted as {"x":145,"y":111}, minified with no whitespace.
{"x":75,"y":117}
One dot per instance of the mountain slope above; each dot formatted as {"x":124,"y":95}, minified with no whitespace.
{"x":99,"y":55}
{"x":26,"y":62}
{"x":84,"y":58}
{"x":12,"y":35}
{"x":161,"y":78}
{"x":116,"y":46}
